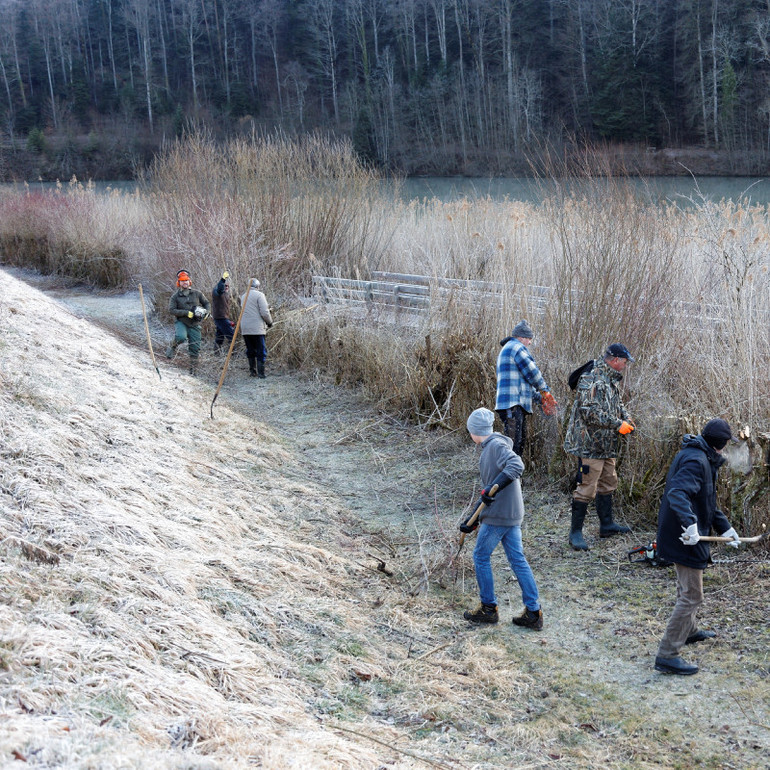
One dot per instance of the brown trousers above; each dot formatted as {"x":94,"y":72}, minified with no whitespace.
{"x":599,"y":479}
{"x":689,"y":597}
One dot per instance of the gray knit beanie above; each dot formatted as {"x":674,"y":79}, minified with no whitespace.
{"x":523,"y":329}
{"x":480,"y":422}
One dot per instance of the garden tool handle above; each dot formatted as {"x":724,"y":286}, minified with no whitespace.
{"x":492,"y":492}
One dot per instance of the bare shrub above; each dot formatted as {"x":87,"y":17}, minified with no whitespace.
{"x":265,"y":206}
{"x":72,"y":231}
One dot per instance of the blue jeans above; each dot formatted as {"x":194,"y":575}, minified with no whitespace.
{"x":488,"y":538}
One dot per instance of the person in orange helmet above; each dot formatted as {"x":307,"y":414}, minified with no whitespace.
{"x":190,"y":307}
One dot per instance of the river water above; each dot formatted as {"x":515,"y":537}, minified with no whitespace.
{"x":680,"y":190}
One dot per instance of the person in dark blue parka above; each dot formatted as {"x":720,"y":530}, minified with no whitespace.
{"x":688,"y":511}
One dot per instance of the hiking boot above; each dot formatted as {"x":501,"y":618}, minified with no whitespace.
{"x":674,"y":666}
{"x":699,"y":636}
{"x":607,"y":527}
{"x":530,"y":619}
{"x":576,"y":540}
{"x":484,"y":613}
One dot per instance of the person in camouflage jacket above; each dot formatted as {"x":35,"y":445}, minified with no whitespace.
{"x":189,"y":306}
{"x":598,"y":420}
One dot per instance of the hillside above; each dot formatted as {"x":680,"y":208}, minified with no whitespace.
{"x":274,"y":587}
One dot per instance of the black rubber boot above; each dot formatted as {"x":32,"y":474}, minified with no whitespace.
{"x":579,"y":510}
{"x":253,"y":366}
{"x":607,"y":527}
{"x":261,"y":370}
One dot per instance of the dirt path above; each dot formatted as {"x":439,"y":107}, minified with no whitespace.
{"x":401,"y":492}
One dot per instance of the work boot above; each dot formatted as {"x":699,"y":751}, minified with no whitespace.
{"x":674,"y":666}
{"x":253,"y":366}
{"x":579,"y":510}
{"x":261,"y":370}
{"x":484,"y":613}
{"x":699,"y":636}
{"x":530,"y":619}
{"x":607,"y":527}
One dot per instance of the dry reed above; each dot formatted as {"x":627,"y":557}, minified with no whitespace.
{"x":686,"y":288}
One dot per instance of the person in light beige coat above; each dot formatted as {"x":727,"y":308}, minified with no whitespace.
{"x":255,"y":322}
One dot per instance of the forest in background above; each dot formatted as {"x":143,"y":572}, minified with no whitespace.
{"x":479,"y":87}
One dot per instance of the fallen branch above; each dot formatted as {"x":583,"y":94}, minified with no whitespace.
{"x":390,"y":746}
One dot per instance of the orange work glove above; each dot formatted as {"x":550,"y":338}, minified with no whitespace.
{"x":625,"y":428}
{"x":549,"y":403}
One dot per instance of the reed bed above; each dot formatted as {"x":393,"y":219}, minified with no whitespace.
{"x":74,"y":232}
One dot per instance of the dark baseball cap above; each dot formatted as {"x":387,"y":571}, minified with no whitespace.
{"x":616,"y":350}
{"x":717,"y":433}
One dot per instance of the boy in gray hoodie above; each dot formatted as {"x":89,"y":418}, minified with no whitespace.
{"x":500,"y":523}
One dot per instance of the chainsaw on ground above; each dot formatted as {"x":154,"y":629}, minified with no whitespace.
{"x":647,"y":554}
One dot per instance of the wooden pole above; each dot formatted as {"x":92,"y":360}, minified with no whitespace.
{"x":147,"y":329}
{"x":230,"y":351}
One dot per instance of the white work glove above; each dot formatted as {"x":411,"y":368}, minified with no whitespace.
{"x":690,"y":535}
{"x":736,"y":541}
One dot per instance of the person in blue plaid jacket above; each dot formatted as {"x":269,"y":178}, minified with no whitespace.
{"x":519,"y":383}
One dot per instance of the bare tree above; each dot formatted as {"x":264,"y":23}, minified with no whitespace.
{"x":297,"y":81}
{"x":190,"y":15}
{"x":323,"y":25}
{"x":270,"y":18}
{"x":138,"y":15}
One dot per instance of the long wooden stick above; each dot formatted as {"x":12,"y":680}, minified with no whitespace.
{"x":230,"y":351}
{"x":713,"y":539}
{"x":147,"y":329}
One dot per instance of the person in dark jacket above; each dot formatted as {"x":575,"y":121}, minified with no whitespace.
{"x":190,"y":307}
{"x":688,"y":511}
{"x":500,"y":523}
{"x":220,"y":312}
